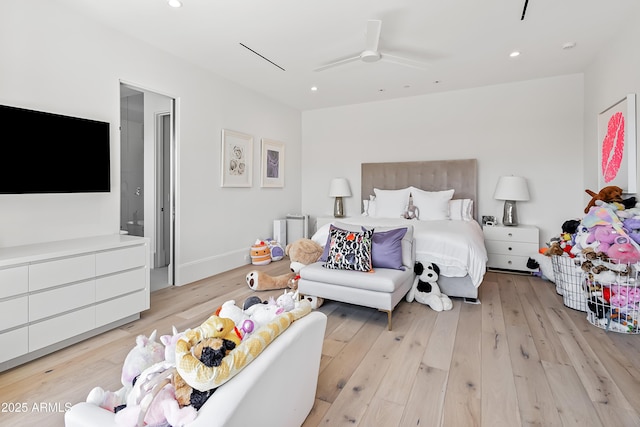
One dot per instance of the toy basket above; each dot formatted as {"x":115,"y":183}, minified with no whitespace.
{"x":615,"y":306}
{"x":570,"y":281}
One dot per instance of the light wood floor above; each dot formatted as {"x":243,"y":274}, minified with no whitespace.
{"x":518,"y":358}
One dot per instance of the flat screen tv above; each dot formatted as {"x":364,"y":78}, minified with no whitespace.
{"x":51,"y":153}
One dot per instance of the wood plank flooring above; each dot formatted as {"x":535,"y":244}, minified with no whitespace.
{"x":520,"y":358}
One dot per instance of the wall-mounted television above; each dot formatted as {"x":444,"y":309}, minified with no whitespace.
{"x":51,"y":153}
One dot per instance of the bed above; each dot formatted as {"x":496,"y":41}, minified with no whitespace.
{"x":455,"y":245}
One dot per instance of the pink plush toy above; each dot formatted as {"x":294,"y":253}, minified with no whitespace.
{"x":146,"y":353}
{"x":169,"y":342}
{"x":605,"y":234}
{"x":623,"y":251}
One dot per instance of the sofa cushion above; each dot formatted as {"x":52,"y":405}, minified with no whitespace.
{"x":349,"y":250}
{"x":381,"y":279}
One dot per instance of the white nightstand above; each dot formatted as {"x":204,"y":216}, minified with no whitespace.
{"x":509,"y":248}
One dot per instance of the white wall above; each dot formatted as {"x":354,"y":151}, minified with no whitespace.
{"x":613,"y":75}
{"x":532,"y":128}
{"x":53,"y":60}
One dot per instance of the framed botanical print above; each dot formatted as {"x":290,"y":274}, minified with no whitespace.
{"x":236,"y":158}
{"x":272,"y":168}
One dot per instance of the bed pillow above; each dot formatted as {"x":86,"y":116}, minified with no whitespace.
{"x":433,"y":205}
{"x":467,"y":209}
{"x":391,"y":203}
{"x":349,"y":250}
{"x":461,"y":209}
{"x":386,"y":249}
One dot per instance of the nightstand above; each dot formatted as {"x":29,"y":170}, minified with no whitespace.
{"x":509,"y":248}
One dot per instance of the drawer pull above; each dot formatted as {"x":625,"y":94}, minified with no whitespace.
{"x":510,"y":234}
{"x":510,"y":248}
{"x":509,"y":262}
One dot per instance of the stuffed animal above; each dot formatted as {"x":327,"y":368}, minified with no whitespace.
{"x":147,"y":352}
{"x":605,"y":234}
{"x":623,"y":251}
{"x":260,"y":253}
{"x":261,"y":281}
{"x":276,"y":250}
{"x":303,"y":252}
{"x":411,"y":212}
{"x":607,"y":194}
{"x":210,"y":351}
{"x":169,"y":342}
{"x":425,"y":288}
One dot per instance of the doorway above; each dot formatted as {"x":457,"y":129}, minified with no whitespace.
{"x":146,"y":180}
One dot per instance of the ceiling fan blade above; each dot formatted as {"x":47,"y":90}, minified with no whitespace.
{"x":337,"y":63}
{"x":373,"y":35}
{"x":404,"y":61}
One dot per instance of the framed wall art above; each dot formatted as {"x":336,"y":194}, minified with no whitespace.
{"x":617,"y":145}
{"x":272,"y":159}
{"x":236,"y":157}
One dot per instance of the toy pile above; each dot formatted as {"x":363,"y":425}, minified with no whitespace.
{"x":606,"y":246}
{"x":162,"y":382}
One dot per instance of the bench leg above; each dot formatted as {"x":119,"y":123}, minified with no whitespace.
{"x":388,"y":318}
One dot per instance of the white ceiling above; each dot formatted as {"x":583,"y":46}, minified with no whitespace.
{"x":466,"y":43}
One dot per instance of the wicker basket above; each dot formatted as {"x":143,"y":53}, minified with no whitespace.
{"x":570,"y":281}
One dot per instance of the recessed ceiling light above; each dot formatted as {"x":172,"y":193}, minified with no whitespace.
{"x":569,"y":45}
{"x":514,"y":54}
{"x":175,"y":3}
{"x":314,"y":88}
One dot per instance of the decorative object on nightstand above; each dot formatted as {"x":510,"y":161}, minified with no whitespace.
{"x":509,"y":248}
{"x":511,"y":189}
{"x":339,"y":188}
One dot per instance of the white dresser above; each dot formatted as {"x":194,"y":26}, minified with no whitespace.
{"x":509,"y":248}
{"x":57,"y":293}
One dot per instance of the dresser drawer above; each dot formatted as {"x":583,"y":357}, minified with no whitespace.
{"x":60,"y":328}
{"x":59,"y":300}
{"x":508,"y":262}
{"x":14,"y":281}
{"x":14,"y":312}
{"x":14,"y":343}
{"x":511,"y":248}
{"x":66,"y":270}
{"x":121,"y":259}
{"x":514,"y":234}
{"x":119,"y":284}
{"x":119,"y":308}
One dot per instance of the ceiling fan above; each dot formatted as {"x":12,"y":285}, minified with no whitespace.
{"x":371,"y":52}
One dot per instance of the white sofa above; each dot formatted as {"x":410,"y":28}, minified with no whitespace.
{"x":277,"y":389}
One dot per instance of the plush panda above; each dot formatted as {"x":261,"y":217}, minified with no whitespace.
{"x":425,"y":288}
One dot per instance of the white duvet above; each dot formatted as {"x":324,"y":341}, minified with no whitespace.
{"x":456,"y":247}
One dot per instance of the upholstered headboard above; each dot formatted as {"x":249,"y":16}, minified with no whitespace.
{"x":461,"y":175}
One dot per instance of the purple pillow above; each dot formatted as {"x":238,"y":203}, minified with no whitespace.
{"x":386,"y":249}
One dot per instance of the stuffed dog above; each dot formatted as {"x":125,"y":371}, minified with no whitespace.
{"x":425,"y":288}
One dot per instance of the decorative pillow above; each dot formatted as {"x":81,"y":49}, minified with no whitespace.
{"x":386,"y":249}
{"x":433,"y":205}
{"x":349,"y":250}
{"x":391,"y":203}
{"x":327,"y":245}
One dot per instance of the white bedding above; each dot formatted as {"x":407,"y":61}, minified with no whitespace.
{"x":456,"y":247}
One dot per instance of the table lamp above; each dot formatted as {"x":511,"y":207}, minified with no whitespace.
{"x":510,"y":189}
{"x":339,"y":188}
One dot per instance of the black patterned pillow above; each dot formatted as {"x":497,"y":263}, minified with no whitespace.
{"x":349,"y":250}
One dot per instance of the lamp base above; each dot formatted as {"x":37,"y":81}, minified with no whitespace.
{"x":338,"y":208}
{"x":510,"y":214}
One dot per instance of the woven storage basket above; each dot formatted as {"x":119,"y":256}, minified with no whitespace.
{"x":570,"y":281}
{"x":618,"y":307}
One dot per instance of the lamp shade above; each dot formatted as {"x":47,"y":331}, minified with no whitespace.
{"x":511,"y":188}
{"x":339,"y":188}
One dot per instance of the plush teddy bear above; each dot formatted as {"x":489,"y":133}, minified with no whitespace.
{"x":425,"y":288}
{"x":609,"y":194}
{"x":303,"y":252}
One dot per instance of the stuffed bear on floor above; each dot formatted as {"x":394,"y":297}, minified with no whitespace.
{"x":425,"y":288}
